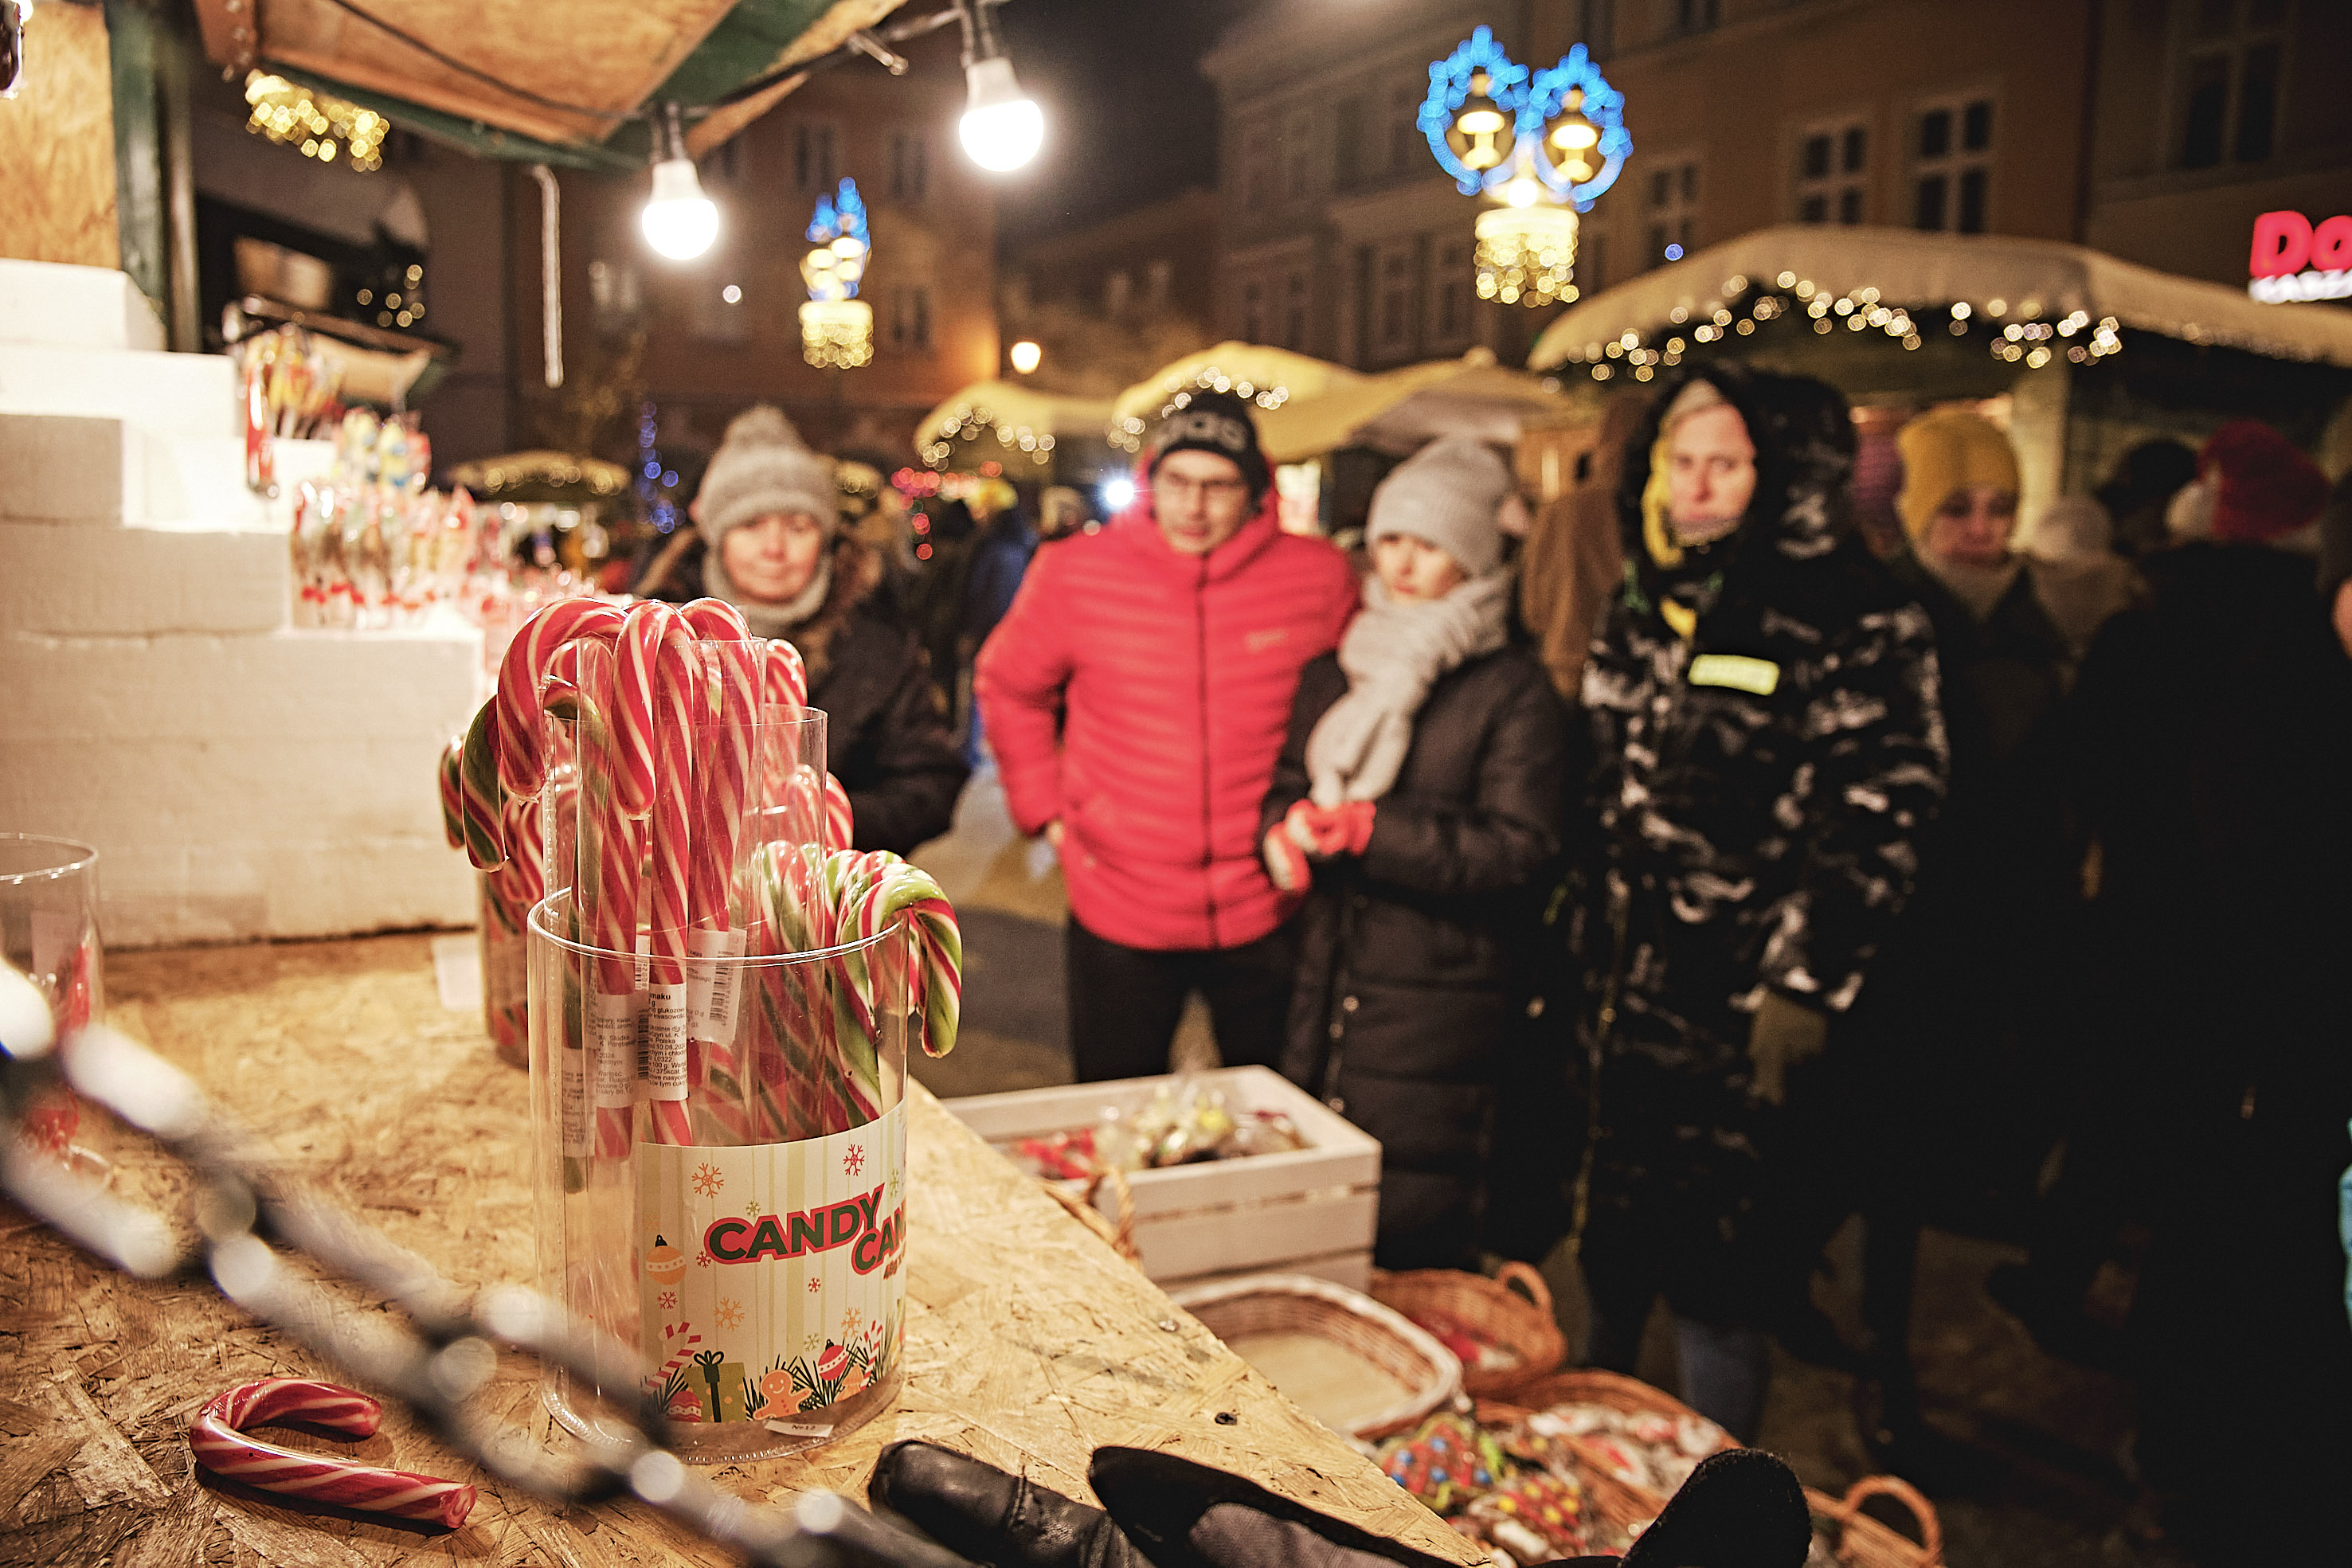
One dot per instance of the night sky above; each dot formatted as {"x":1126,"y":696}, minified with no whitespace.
{"x":1127,"y":119}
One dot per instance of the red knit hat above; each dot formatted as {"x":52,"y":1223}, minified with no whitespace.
{"x":2269,"y":489}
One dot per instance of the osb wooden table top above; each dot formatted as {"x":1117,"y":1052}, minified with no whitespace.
{"x":1029,"y":1342}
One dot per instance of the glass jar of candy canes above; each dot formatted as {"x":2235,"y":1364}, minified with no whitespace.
{"x":737,"y":1215}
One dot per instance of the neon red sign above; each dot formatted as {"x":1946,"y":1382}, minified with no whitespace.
{"x":2294,"y":258}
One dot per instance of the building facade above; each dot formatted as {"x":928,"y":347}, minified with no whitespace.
{"x":703,"y":340}
{"x":2153,"y":129}
{"x":1112,"y":302}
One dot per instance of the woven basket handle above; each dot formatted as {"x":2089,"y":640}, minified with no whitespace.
{"x":1530,"y":1283}
{"x":1923,"y":1512}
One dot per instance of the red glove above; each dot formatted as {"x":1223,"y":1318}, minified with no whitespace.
{"x":1352,"y":826}
{"x":1286,"y":862}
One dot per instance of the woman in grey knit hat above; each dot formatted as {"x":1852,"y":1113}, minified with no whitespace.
{"x":769,"y":513}
{"x":1421,"y":797}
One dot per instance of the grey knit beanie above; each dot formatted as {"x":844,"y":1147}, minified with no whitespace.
{"x":1449,"y":493}
{"x":764,"y":467}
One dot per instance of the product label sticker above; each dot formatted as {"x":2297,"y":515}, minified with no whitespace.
{"x":1762,"y":676}
{"x":574,"y":1088}
{"x":613,"y":1036}
{"x":710,"y":986}
{"x":665,"y":1057}
{"x":772,"y":1275}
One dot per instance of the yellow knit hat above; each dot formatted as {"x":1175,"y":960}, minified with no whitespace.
{"x":1951,"y":449}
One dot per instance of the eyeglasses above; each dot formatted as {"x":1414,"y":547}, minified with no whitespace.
{"x":1221,"y":492}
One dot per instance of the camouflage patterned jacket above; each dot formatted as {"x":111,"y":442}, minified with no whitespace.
{"x":1758,"y":791}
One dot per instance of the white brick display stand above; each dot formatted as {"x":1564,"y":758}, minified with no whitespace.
{"x":240,"y":779}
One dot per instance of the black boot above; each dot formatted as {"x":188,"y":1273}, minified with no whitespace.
{"x":983,"y":1513}
{"x":1742,"y":1508}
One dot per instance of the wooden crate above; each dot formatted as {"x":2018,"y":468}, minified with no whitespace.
{"x":1307,"y":1212}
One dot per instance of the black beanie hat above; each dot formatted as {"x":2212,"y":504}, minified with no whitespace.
{"x":1215,"y":421}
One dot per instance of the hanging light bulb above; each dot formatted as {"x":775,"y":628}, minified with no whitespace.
{"x":1002,"y":129}
{"x":679,"y":221}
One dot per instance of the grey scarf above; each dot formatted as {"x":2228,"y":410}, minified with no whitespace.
{"x":1977,"y":588}
{"x":1393,"y":653}
{"x":770,"y":619}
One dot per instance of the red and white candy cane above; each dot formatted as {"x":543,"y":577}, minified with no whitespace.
{"x":521,"y":743}
{"x":216,"y":1439}
{"x":783,"y":678}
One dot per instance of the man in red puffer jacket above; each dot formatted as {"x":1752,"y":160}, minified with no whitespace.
{"x":1135,"y":695}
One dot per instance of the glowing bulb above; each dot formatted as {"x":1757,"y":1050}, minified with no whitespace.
{"x":1523,"y":191}
{"x":1575,"y":135}
{"x":1002,"y":129}
{"x":1025,"y":356}
{"x":1479,"y":123}
{"x":732,"y":294}
{"x":680,"y":221}
{"x":1118,"y":493}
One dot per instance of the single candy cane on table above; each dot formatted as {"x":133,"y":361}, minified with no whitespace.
{"x":219,"y":1444}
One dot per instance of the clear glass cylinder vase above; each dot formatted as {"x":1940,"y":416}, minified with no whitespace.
{"x":744,"y":1229}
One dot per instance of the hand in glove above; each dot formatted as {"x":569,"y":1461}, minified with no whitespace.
{"x":1787,"y":1034}
{"x":1286,"y":862}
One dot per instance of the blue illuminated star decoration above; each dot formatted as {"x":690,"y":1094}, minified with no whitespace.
{"x":842,"y":216}
{"x":1601,"y":104}
{"x":1449,"y":86}
{"x":1531,"y":100}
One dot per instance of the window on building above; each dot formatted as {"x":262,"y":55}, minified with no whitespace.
{"x":816,"y":162}
{"x":1832,"y":178}
{"x":2228,"y":81}
{"x":724,"y":163}
{"x":1670,"y":210}
{"x":911,"y":319}
{"x":1298,"y":158}
{"x":1598,"y":18}
{"x":1257,"y":168}
{"x":1392,"y":322}
{"x":1351,"y":147}
{"x":1158,"y":278}
{"x":1451,"y":287}
{"x":910,"y":165}
{"x":1697,"y":15}
{"x":1592,"y":264}
{"x":1252,"y":313}
{"x":1116,"y":290}
{"x":1951,"y":166}
{"x":1408,"y":147}
{"x":614,"y":294}
{"x":1294,"y":312}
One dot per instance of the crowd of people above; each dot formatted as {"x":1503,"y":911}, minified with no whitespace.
{"x":1687,"y":881}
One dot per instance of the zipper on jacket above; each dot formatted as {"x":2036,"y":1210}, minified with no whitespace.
{"x":1208,"y":802}
{"x":1620,"y":919}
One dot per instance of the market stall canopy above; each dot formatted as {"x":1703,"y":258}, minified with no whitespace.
{"x":558,"y":81}
{"x":1401,"y":411}
{"x":1273,"y":379}
{"x":1007,"y":423}
{"x":2031,"y":278}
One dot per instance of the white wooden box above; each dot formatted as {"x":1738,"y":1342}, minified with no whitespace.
{"x":1306,"y":1211}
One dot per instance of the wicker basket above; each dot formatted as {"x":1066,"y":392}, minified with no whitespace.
{"x":1863,"y":1541}
{"x":1628,"y":1510}
{"x":1519,"y":1321}
{"x":1080,"y":1206}
{"x":1297,"y":1303}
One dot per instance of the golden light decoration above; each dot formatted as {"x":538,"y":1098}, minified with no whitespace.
{"x":2027,"y":338}
{"x":837,"y":334}
{"x":1526,"y":255}
{"x":315,"y":124}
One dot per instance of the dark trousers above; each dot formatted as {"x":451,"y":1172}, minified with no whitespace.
{"x":1125,"y":1002}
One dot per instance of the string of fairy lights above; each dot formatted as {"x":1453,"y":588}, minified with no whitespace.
{"x":974,"y":422}
{"x":1126,"y":433}
{"x":2019,"y":332}
{"x":319,"y":125}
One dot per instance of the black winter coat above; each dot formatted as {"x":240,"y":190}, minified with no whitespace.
{"x":886,"y":735}
{"x":1418,"y":961}
{"x":1758,"y":791}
